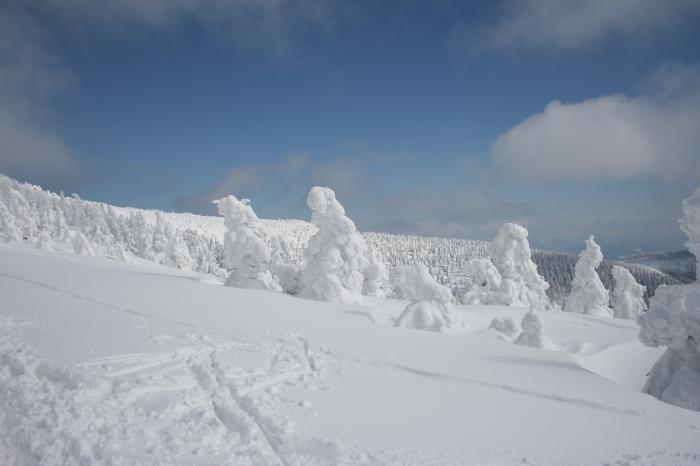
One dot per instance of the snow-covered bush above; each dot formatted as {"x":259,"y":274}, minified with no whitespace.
{"x":338,"y":261}
{"x":628,"y":295}
{"x":246,"y":250}
{"x":431,"y":303}
{"x":505,"y":325}
{"x":690,"y":224}
{"x":588,"y":295}
{"x":531,"y":335}
{"x":673,"y":320}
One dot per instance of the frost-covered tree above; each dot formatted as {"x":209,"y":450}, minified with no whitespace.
{"x":509,"y":276}
{"x":588,"y":295}
{"x":246,"y":251}
{"x":430,"y":305}
{"x":177,"y":252}
{"x":8,"y":227}
{"x":673,"y":320}
{"x":376,"y":277}
{"x":531,"y":335}
{"x":337,"y":257}
{"x":81,"y":245}
{"x":484,"y":282}
{"x":287,"y":273}
{"x":159,"y":244}
{"x":627,"y":296}
{"x":44,"y":241}
{"x":690,"y":224}
{"x":521,"y":283}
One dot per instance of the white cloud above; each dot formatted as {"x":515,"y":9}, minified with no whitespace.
{"x":561,"y":25}
{"x":613,"y":136}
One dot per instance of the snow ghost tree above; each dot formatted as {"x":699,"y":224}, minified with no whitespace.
{"x":690,"y":224}
{"x":532,"y":331}
{"x":521,"y":284}
{"x":339,"y":263}
{"x":246,"y":251}
{"x":588,"y":295}
{"x":431,"y":303}
{"x":673,"y":320}
{"x":628,"y":295}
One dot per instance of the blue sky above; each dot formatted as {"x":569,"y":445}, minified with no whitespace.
{"x":435,"y":117}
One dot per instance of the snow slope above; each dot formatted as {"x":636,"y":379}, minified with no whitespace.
{"x":106,"y":362}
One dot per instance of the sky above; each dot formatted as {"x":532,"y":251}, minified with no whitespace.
{"x":439,"y":117}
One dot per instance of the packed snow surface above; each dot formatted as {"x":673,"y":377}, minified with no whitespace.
{"x":109,"y":362}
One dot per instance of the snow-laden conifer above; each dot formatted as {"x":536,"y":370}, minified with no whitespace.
{"x":246,"y":251}
{"x":627,"y":296}
{"x":588,"y":295}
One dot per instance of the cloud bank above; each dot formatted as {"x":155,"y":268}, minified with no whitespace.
{"x":614,"y":136}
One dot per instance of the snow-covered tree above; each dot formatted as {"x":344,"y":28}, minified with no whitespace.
{"x":177,"y":251}
{"x":159,"y":243}
{"x":673,"y":320}
{"x":484,"y":282}
{"x":690,"y":224}
{"x":43,"y":240}
{"x":246,"y":251}
{"x":627,"y":296}
{"x":588,"y":295}
{"x":509,"y":276}
{"x":431,"y":303}
{"x":376,"y":277}
{"x":336,"y":256}
{"x":521,"y":283}
{"x":81,"y":245}
{"x":531,"y":335}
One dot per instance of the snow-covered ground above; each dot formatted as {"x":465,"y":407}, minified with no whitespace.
{"x":135,"y":363}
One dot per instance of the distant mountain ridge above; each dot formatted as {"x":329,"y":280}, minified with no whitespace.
{"x":679,"y":264}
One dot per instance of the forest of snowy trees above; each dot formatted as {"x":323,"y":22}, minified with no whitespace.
{"x":194,"y":243}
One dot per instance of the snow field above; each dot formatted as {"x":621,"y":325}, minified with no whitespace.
{"x":161,"y":368}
